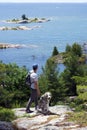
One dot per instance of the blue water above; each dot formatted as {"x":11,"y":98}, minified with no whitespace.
{"x":68,"y":25}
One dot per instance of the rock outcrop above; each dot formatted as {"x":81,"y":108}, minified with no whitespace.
{"x":55,"y":120}
{"x":37,"y":121}
{"x":6,"y":125}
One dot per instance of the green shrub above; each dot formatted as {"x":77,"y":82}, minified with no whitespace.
{"x":83,"y":96}
{"x":78,"y":117}
{"x":80,"y":102}
{"x":82,"y":91}
{"x":6,"y":115}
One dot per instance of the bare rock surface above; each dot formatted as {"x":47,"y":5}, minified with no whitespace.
{"x":6,"y":125}
{"x":55,"y":120}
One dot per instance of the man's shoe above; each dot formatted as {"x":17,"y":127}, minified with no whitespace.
{"x":29,"y":111}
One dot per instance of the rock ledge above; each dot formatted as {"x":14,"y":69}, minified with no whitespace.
{"x":37,"y":121}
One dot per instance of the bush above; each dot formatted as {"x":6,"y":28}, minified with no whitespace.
{"x":6,"y":115}
{"x":80,"y":102}
{"x":78,"y":117}
{"x":13,"y":90}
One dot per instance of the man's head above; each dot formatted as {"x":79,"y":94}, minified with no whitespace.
{"x":35,"y":67}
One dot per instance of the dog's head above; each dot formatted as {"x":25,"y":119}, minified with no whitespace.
{"x":47,"y":96}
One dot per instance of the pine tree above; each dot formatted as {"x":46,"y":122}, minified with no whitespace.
{"x":72,"y":69}
{"x":49,"y":81}
{"x":55,"y":51}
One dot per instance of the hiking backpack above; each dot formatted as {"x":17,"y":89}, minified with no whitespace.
{"x":28,"y":79}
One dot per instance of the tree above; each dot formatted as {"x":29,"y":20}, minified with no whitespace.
{"x":24,"y":17}
{"x":76,"y":49}
{"x":49,"y":81}
{"x":68,"y":48}
{"x":55,"y":51}
{"x":82,"y":78}
{"x":72,"y":69}
{"x":13,"y":89}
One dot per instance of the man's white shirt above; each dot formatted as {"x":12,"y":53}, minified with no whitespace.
{"x":34,"y":78}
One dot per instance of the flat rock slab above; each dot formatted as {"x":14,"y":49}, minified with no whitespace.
{"x":56,"y":120}
{"x":57,"y":110}
{"x":36,"y":121}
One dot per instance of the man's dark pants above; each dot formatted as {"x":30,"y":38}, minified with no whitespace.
{"x":33,"y":98}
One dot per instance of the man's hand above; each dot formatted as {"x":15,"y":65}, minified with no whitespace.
{"x":38,"y":92}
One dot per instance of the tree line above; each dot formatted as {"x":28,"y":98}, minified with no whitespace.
{"x":14,"y":92}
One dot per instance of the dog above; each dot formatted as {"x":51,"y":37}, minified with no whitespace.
{"x":43,"y":103}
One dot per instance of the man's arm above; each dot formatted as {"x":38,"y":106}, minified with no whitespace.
{"x":36,"y":87}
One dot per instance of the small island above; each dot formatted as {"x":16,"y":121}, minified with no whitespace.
{"x":11,"y":45}
{"x":3,"y":28}
{"x":25,"y":20}
{"x":8,"y":45}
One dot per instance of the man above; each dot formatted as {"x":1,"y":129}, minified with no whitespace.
{"x":35,"y":92}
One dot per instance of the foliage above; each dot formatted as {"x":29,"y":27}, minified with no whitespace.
{"x":74,"y":68}
{"x":82,"y":79}
{"x":6,"y":98}
{"x":24,"y":17}
{"x":49,"y":81}
{"x":79,"y":118}
{"x":76,"y":49}
{"x":6,"y":114}
{"x":82,"y":91}
{"x":80,"y":101}
{"x":14,"y":92}
{"x":55,"y":51}
{"x":12,"y":85}
{"x":68,"y":48}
